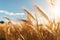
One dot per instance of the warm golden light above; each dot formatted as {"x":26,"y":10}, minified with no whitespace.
{"x":56,"y":9}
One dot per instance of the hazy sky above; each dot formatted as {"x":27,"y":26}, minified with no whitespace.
{"x":13,"y":8}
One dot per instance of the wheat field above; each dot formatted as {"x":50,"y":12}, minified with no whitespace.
{"x":30,"y":29}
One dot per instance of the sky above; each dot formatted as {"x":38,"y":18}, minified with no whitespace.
{"x":13,"y":8}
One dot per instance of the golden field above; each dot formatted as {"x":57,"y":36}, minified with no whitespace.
{"x":30,"y":29}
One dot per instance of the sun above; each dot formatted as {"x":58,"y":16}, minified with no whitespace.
{"x":56,"y":9}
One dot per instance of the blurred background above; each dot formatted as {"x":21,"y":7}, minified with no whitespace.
{"x":13,"y":8}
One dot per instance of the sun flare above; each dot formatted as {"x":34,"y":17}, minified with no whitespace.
{"x":56,"y":9}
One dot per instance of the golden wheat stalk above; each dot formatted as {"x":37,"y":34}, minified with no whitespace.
{"x":30,"y":17}
{"x":9,"y":21}
{"x":29,"y":14}
{"x":41,"y":11}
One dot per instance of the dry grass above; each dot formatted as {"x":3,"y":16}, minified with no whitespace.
{"x":26,"y":30}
